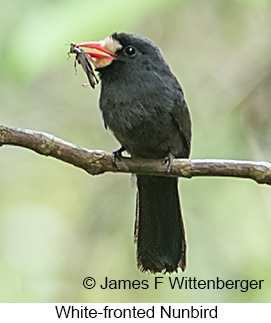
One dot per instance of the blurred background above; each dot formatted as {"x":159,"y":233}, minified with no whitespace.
{"x":57,"y":223}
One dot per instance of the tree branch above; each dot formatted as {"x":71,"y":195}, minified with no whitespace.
{"x":97,"y":161}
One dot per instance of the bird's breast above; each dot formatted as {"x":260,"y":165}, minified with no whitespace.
{"x":144,"y":130}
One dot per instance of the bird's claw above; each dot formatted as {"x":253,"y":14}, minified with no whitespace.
{"x":168,"y":160}
{"x":117,"y":155}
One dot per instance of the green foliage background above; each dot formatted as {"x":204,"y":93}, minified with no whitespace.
{"x":59,"y":225}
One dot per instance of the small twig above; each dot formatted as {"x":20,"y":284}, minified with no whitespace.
{"x":97,"y":161}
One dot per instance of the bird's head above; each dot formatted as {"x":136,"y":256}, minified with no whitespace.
{"x":124,"y":51}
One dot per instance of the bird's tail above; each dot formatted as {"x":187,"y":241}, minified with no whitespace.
{"x":159,"y":229}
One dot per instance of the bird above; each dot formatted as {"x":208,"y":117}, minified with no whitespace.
{"x":143,"y":105}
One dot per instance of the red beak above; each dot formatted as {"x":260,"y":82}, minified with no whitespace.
{"x":100,"y":46}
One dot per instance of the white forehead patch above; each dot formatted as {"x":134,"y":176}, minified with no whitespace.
{"x":111,"y":44}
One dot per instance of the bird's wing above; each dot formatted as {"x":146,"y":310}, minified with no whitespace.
{"x":181,"y":118}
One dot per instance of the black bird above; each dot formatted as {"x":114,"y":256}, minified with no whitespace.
{"x":143,"y":105}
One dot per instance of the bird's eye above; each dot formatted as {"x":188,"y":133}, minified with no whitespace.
{"x":130,"y":51}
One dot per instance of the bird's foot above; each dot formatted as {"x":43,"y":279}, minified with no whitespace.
{"x":168,"y":160}
{"x":117,"y":155}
